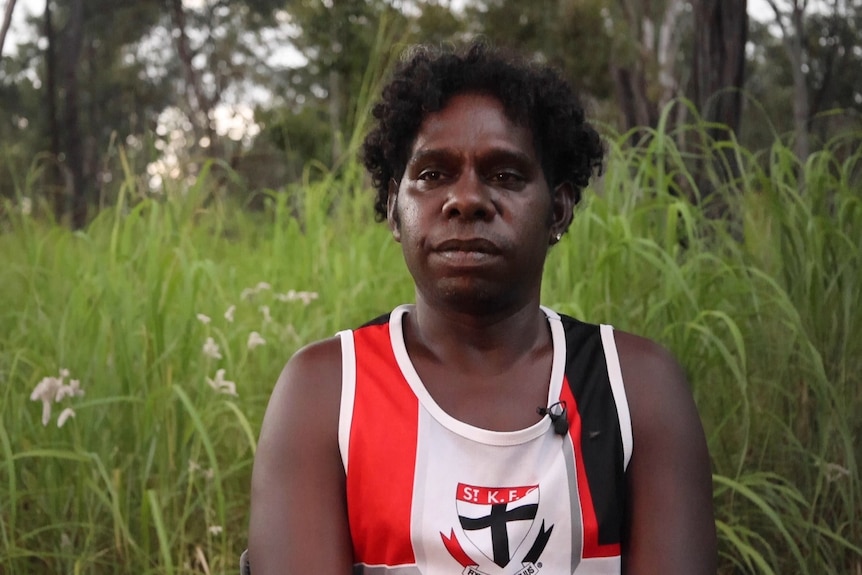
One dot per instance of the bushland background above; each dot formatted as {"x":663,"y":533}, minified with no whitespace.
{"x":181,"y":209}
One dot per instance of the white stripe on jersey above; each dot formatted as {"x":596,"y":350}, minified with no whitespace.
{"x":615,"y":375}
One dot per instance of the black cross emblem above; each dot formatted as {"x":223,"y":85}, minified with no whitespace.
{"x":497,"y":521}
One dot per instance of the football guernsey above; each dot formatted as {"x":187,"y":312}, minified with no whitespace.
{"x":429,"y":494}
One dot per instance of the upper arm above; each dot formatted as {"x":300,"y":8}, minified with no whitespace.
{"x":298,"y":504}
{"x":670,"y":521}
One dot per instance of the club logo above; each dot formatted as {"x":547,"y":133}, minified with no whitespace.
{"x":497,"y":520}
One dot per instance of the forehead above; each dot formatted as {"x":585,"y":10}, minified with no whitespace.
{"x":473,"y":121}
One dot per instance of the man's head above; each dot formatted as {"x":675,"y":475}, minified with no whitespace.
{"x":533,"y":95}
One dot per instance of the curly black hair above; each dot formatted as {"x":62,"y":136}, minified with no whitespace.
{"x":532,"y":94}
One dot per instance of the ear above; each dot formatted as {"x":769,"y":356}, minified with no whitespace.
{"x":392,"y":217}
{"x":563,"y":208}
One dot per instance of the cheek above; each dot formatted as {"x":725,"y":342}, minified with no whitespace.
{"x":407,"y":217}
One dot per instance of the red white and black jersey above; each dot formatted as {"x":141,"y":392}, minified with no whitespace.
{"x":429,"y":494}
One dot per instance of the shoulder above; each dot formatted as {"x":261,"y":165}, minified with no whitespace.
{"x":297,"y":500}
{"x":304,"y":405}
{"x":669,"y":478}
{"x":659,"y":398}
{"x":312,"y":376}
{"x":648,"y":368}
{"x":323,"y":354}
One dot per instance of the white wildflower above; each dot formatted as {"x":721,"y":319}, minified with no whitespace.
{"x":228,"y":315}
{"x":306,"y":297}
{"x":204,"y":319}
{"x":255,"y":340}
{"x":45,"y":391}
{"x":221,"y":385}
{"x":264,"y":309}
{"x":52,"y":390}
{"x":211,"y":350}
{"x":64,"y":416}
{"x":71,"y":390}
{"x":285,"y":297}
{"x":253,"y":291}
{"x":215,"y":529}
{"x":834,"y":472}
{"x":46,"y":413}
{"x":26,"y":206}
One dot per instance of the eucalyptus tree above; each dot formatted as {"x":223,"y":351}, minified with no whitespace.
{"x":100,"y":72}
{"x":344,"y":48}
{"x":718,"y":59}
{"x":82,"y":89}
{"x":815,"y":93}
{"x":573,"y":36}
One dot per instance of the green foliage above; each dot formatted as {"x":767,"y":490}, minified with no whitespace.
{"x":152,"y":474}
{"x":768,"y":328}
{"x":562,"y":33}
{"x":349,"y":46}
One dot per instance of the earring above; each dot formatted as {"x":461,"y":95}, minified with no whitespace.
{"x":558,"y":236}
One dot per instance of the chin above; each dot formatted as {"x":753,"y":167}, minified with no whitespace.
{"x":474,"y":297}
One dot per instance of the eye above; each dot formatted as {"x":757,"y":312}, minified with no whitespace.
{"x":430,"y":175}
{"x":508,"y":179}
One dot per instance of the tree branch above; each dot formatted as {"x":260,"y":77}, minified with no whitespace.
{"x":7,"y":22}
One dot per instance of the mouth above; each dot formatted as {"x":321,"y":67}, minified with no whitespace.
{"x":471,"y":245}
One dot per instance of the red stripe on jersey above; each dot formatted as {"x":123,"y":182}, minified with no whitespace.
{"x":592,"y":548}
{"x":381,"y":454}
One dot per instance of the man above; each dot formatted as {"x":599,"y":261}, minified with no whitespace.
{"x":476,"y":431}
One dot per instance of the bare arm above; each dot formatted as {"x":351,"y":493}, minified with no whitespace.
{"x":298,"y":505}
{"x":670,"y":519}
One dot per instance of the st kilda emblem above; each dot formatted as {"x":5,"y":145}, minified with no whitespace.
{"x":496,"y":521}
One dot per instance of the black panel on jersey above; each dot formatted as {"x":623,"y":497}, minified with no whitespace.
{"x":379,"y":320}
{"x":601,"y":439}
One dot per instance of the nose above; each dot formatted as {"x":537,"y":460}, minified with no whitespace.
{"x":469,"y":198}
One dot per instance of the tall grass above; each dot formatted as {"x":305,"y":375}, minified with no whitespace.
{"x":152,"y":473}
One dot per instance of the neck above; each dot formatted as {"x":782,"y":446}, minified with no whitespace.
{"x":457,"y":337}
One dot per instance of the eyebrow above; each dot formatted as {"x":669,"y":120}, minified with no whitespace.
{"x":494,"y":154}
{"x":432,"y":154}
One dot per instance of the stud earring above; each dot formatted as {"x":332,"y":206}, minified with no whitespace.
{"x":558,"y":236}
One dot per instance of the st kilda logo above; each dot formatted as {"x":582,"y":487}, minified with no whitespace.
{"x":496,"y":521}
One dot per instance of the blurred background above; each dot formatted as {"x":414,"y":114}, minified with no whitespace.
{"x":181,"y":209}
{"x":269,"y":86}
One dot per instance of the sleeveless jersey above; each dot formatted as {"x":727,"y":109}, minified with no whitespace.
{"x":429,"y":494}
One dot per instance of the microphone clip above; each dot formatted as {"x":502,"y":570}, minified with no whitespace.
{"x":559,"y":416}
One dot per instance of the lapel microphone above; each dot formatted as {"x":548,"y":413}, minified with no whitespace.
{"x":558,"y":415}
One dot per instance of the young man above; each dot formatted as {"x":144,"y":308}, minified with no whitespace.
{"x":476,"y":431}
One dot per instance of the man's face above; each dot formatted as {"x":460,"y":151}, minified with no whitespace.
{"x":473,"y":211}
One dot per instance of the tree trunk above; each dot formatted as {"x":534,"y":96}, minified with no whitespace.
{"x":335,"y":95}
{"x":801,"y":107}
{"x":718,"y":73}
{"x":648,"y":81}
{"x":7,"y":22}
{"x":200,"y":107}
{"x":630,"y":87}
{"x":669,"y":39}
{"x":793,"y":37}
{"x":721,"y":32}
{"x":74,"y":35}
{"x":54,"y":173}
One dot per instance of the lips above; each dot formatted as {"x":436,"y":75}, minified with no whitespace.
{"x":472,"y":245}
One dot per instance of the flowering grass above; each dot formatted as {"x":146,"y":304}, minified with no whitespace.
{"x":175,"y":314}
